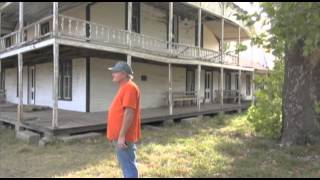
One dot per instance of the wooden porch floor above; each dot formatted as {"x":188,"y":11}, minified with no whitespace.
{"x":71,"y":122}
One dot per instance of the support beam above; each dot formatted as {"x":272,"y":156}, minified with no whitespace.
{"x":1,"y":83}
{"x":170,"y":89}
{"x":0,"y":23}
{"x":129,"y":25}
{"x":239,"y":42}
{"x":20,"y":68}
{"x":55,"y":19}
{"x":20,"y":94}
{"x":20,"y":34}
{"x":221,"y":87}
{"x":222,"y":34}
{"x":239,"y":91}
{"x":170,"y":28}
{"x":55,"y":68}
{"x":199,"y":30}
{"x":199,"y":87}
{"x":253,"y":87}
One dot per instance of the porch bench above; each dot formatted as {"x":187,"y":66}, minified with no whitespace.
{"x":182,"y":97}
{"x":228,"y":96}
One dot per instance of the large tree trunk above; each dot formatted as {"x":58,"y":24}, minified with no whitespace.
{"x":301,"y":92}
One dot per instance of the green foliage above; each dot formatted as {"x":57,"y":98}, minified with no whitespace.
{"x":266,"y":115}
{"x":289,"y":22}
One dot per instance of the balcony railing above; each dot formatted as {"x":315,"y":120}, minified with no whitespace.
{"x":81,"y":30}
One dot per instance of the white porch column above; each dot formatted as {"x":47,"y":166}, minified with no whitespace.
{"x":1,"y":75}
{"x":55,"y":68}
{"x":253,"y":87}
{"x":221,"y":87}
{"x":199,"y":30}
{"x":239,"y":42}
{"x":170,"y":27}
{"x":20,"y":69}
{"x":0,"y":22}
{"x":199,"y":87}
{"x":170,"y":89}
{"x":20,"y":94}
{"x":129,"y":25}
{"x":239,"y":91}
{"x":222,"y":34}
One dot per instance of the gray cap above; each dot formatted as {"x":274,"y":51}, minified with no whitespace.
{"x":121,"y":66}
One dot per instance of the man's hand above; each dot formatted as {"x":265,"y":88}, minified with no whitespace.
{"x":122,"y":143}
{"x":127,"y":121}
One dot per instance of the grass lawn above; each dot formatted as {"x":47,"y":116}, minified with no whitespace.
{"x":213,"y":147}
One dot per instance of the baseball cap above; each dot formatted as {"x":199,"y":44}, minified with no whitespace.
{"x":121,"y":66}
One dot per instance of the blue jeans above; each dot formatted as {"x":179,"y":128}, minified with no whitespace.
{"x":127,"y":160}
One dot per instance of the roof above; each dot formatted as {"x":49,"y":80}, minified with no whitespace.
{"x":260,"y":68}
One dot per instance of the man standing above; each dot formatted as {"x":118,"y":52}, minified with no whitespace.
{"x":123,"y":126}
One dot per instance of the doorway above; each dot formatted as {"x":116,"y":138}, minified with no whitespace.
{"x":208,"y":87}
{"x":31,"y":84}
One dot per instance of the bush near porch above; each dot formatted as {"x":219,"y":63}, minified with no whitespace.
{"x":222,"y":146}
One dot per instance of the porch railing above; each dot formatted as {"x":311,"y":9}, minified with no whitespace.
{"x":82,"y":30}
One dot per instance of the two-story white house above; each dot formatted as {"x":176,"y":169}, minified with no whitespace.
{"x":57,"y":55}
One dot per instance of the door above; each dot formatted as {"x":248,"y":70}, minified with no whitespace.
{"x":31,"y":84}
{"x":190,"y":84}
{"x":208,"y":87}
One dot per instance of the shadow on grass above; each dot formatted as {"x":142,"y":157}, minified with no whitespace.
{"x":213,"y":147}
{"x":19,"y":159}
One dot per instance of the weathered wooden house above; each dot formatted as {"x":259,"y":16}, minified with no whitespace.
{"x":56,"y":55}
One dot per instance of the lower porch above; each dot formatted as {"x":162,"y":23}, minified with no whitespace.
{"x":72,"y":122}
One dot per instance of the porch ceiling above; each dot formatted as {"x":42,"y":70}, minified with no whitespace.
{"x":213,"y":22}
{"x":32,"y":11}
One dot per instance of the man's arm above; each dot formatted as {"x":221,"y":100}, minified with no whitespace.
{"x":127,"y":121}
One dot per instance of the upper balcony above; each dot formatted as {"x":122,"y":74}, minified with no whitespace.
{"x":77,"y":29}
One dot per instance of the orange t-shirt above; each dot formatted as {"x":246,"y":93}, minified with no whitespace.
{"x":128,"y":95}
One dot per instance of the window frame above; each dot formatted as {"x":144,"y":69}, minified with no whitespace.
{"x":248,"y":85}
{"x":65,"y":80}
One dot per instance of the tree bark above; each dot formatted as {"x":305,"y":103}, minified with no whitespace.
{"x":301,"y":92}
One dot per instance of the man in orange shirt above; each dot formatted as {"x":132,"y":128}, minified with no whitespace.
{"x":124,"y":124}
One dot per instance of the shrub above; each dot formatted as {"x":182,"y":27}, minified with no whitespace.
{"x":266,"y":115}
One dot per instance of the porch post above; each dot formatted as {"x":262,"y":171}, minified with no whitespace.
{"x":253,"y":87}
{"x":221,"y":87}
{"x":170,"y":90}
{"x":222,"y":34}
{"x":239,"y":42}
{"x":1,"y":82}
{"x":129,"y":25}
{"x":170,"y":28}
{"x":20,"y":68}
{"x":222,"y":59}
{"x":239,"y":91}
{"x":20,"y":94}
{"x":0,"y":23}
{"x":199,"y":87}
{"x":55,"y":68}
{"x":199,"y":30}
{"x":0,"y":48}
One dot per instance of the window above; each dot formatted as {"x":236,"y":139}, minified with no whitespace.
{"x":8,"y":42}
{"x":248,"y":85}
{"x":44,"y":28}
{"x":136,"y":17}
{"x":190,"y":81}
{"x":25,"y":35}
{"x":237,"y":81}
{"x":227,"y":84}
{"x":65,"y":80}
{"x":175,"y":29}
{"x":2,"y":80}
